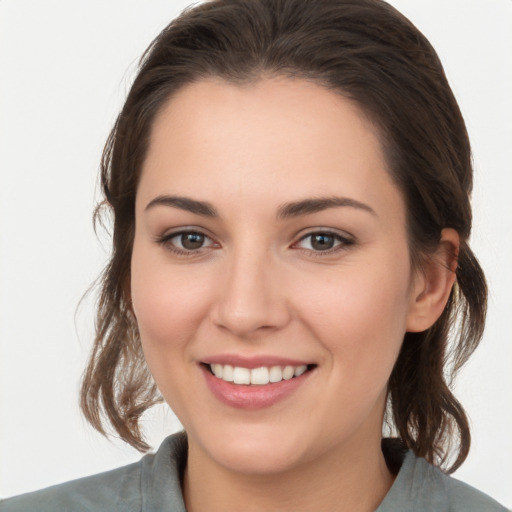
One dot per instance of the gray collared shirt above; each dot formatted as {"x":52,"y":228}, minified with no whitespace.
{"x":153,"y":485}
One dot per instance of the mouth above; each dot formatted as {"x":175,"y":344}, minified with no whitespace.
{"x":261,"y":376}
{"x":255,"y":383}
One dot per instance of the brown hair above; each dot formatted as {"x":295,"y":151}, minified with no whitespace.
{"x":366,"y":51}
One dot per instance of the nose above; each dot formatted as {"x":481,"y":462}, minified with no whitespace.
{"x":252,"y":297}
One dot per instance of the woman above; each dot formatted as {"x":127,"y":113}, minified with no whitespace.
{"x":290,"y":187}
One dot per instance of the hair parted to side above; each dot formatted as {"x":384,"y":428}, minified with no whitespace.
{"x":366,"y":51}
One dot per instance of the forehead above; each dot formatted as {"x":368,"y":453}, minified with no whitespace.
{"x":272,"y":140}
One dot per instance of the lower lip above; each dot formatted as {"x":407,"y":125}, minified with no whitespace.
{"x":252,"y":397}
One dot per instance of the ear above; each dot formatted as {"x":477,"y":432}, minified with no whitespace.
{"x":433,"y":283}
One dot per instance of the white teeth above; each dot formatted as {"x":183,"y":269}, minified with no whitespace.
{"x":300,"y":370}
{"x":241,"y":375}
{"x":276,"y":374}
{"x":260,"y":376}
{"x":257,"y":376}
{"x":227,"y":373}
{"x":217,"y":370}
{"x":288,"y":372}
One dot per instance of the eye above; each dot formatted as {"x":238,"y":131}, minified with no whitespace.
{"x":323,"y":241}
{"x":186,"y":241}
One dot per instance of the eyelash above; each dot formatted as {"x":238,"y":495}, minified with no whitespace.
{"x":343,"y":243}
{"x":165,"y":241}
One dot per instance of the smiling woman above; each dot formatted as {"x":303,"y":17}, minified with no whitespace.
{"x":281,"y":280}
{"x":289,"y":182}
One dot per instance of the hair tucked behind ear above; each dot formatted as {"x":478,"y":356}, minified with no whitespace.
{"x":368,"y":52}
{"x":426,"y":414}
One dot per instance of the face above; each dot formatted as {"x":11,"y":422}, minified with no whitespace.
{"x":271,"y":250}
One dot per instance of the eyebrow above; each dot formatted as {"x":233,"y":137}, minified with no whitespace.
{"x":184,"y":203}
{"x":285,"y":211}
{"x":314,"y":205}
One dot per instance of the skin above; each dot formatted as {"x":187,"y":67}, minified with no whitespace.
{"x":258,"y":286}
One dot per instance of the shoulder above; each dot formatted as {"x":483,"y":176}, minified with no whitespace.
{"x":127,"y":489}
{"x":421,"y":487}
{"x":464,"y":498}
{"x":105,"y":491}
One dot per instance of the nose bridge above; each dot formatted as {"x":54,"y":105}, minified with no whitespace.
{"x":250,"y":298}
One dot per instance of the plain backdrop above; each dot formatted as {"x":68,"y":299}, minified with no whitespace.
{"x":65,"y":67}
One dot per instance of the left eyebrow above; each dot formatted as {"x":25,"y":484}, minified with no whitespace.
{"x":314,"y":205}
{"x":184,"y":203}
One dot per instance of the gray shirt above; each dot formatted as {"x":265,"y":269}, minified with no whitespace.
{"x":153,"y":485}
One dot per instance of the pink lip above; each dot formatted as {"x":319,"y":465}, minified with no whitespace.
{"x":253,"y":361}
{"x":252,"y":397}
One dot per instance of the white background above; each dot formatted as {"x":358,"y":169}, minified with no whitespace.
{"x":65,"y":67}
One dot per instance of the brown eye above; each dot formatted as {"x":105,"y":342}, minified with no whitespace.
{"x":191,"y":241}
{"x":322,"y":241}
{"x":186,"y":242}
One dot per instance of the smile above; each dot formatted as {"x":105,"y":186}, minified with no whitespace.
{"x":257,"y":387}
{"x":256,"y":376}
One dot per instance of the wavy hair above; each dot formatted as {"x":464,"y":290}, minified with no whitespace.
{"x":364,"y":50}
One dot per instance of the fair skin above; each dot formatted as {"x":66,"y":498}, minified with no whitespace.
{"x":246,"y":276}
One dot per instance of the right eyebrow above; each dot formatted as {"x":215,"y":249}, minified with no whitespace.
{"x":309,"y":206}
{"x":184,"y":203}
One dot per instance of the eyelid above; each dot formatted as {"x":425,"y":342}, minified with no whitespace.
{"x":344,"y":241}
{"x":165,"y":240}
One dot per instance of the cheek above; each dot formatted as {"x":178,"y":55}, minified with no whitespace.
{"x":168,"y":301}
{"x":359,"y":317}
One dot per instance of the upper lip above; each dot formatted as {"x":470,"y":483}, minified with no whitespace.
{"x":253,"y":361}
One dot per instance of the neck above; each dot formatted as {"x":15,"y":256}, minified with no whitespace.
{"x":345,"y":479}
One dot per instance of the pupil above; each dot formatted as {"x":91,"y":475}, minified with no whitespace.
{"x":192,"y":240}
{"x":322,"y":242}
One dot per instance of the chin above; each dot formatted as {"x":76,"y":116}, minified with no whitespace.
{"x":256,"y":451}
{"x":259,"y":462}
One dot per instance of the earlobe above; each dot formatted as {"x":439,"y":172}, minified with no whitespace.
{"x":433,"y":283}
